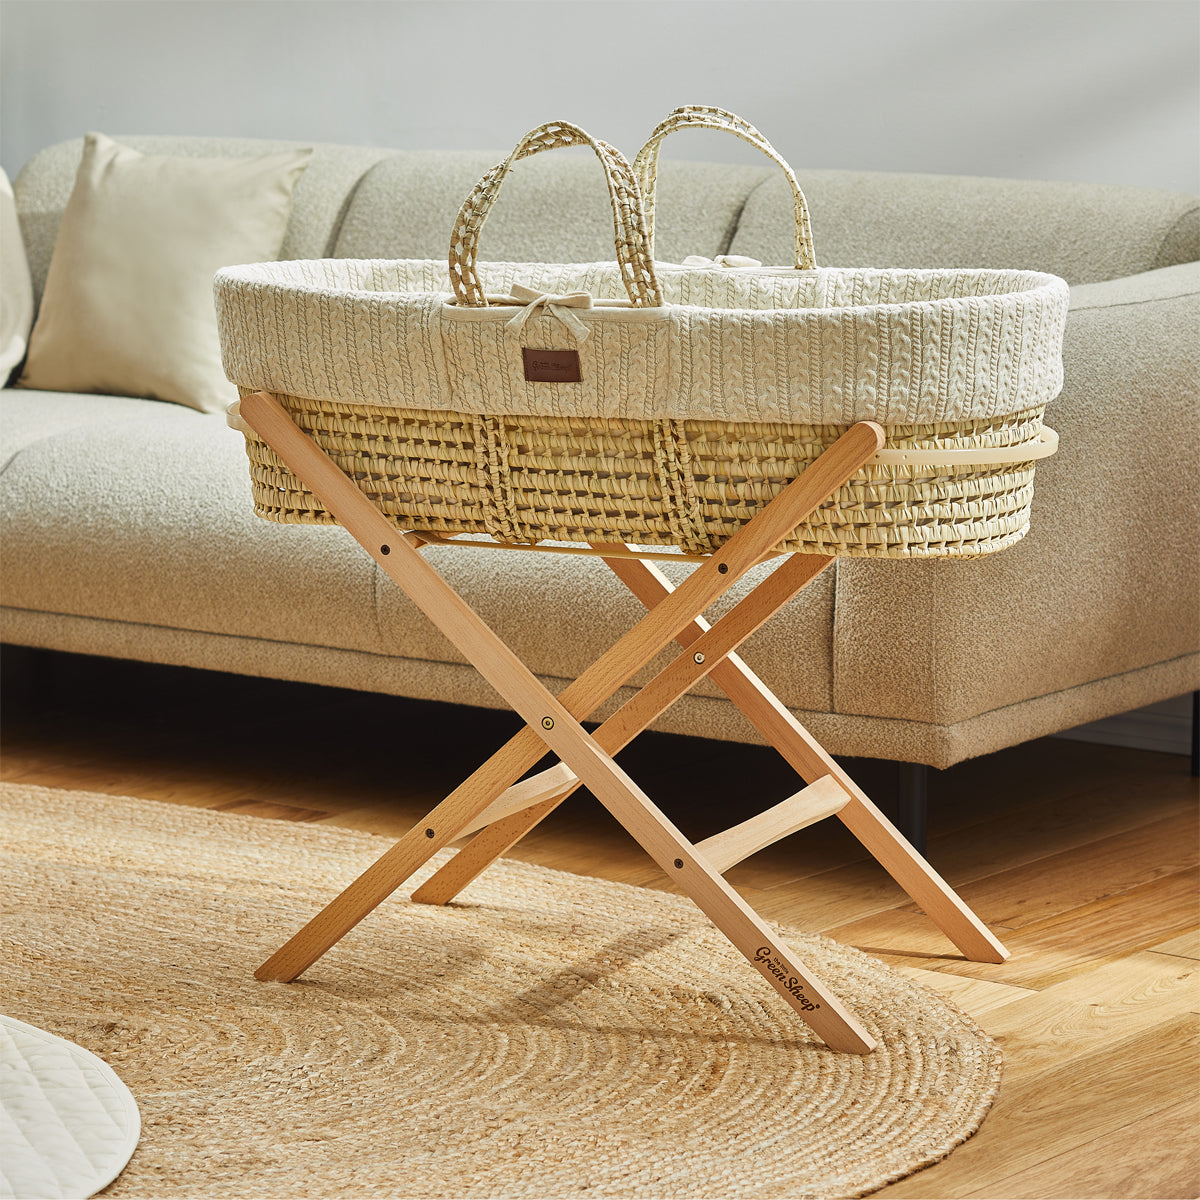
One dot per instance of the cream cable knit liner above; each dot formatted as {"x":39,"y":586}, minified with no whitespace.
{"x":816,"y":347}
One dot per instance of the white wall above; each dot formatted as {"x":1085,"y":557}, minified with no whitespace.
{"x":1099,"y":90}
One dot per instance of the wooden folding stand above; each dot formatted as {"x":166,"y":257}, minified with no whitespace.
{"x":503,"y":810}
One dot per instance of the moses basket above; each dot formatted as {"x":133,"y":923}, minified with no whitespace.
{"x":648,"y":403}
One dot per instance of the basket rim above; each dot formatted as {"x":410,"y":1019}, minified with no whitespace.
{"x":286,"y":276}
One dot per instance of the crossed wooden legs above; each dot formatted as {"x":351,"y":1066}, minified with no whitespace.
{"x":490,"y":798}
{"x":804,"y":754}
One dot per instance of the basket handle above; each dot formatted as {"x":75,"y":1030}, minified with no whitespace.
{"x":629,"y":224}
{"x":702,"y":116}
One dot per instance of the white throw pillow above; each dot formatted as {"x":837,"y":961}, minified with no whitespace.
{"x":128,"y":306}
{"x":16,"y":289}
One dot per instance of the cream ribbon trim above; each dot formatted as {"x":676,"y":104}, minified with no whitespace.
{"x":732,"y":261}
{"x":556,"y":306}
{"x":729,"y":261}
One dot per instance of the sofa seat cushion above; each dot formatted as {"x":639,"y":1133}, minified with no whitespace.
{"x":144,"y":516}
{"x":139,"y":512}
{"x":28,"y":416}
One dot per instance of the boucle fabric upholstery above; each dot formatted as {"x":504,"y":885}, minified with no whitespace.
{"x":31,"y":417}
{"x":128,"y":528}
{"x":1109,"y":577}
{"x":1081,"y":231}
{"x":142,"y":517}
{"x":135,"y":517}
{"x":554,"y":208}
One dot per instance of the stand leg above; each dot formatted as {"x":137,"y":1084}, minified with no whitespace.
{"x":395,"y":866}
{"x":809,"y":759}
{"x":1195,"y":734}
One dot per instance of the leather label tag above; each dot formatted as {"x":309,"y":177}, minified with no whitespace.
{"x":551,"y":366}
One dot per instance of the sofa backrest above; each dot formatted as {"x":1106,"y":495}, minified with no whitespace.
{"x":369,"y":202}
{"x":1084,"y":232}
{"x":551,"y":208}
{"x":364,"y":202}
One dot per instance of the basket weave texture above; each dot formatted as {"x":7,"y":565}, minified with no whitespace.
{"x":703,"y":391}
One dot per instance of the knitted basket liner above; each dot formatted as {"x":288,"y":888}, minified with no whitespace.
{"x":815,"y":347}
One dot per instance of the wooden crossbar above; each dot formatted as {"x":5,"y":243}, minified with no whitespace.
{"x":705,"y":655}
{"x":546,"y":785}
{"x":808,"y":806}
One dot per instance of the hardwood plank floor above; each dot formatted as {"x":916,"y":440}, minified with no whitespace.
{"x":1082,"y":856}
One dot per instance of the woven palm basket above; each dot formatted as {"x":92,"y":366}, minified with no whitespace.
{"x":702,"y":391}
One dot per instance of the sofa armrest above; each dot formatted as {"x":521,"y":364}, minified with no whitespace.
{"x":1081,"y":231}
{"x":1106,"y":581}
{"x":1166,"y":283}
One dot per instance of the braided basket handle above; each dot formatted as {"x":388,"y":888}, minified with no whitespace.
{"x":701,"y":116}
{"x":629,"y":223}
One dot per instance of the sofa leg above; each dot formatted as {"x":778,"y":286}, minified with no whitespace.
{"x":1195,"y":734}
{"x":912,"y":803}
{"x":26,"y":680}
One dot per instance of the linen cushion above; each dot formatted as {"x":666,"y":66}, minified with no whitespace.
{"x":128,"y":304}
{"x":322,"y":194}
{"x":16,"y":289}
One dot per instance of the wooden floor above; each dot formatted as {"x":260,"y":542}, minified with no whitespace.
{"x":1083,"y":858}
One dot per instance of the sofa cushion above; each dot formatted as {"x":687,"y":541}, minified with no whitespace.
{"x":1084,"y":232}
{"x":128,"y":306}
{"x":44,"y":185}
{"x":139,"y":512}
{"x":28,"y":417}
{"x":145,"y":517}
{"x":552,"y":208}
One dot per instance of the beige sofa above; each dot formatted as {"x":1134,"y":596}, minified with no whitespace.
{"x":128,"y":532}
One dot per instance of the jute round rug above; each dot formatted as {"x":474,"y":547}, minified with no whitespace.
{"x":548,"y":1036}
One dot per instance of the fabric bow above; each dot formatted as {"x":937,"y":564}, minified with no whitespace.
{"x":556,"y":306}
{"x":722,"y":260}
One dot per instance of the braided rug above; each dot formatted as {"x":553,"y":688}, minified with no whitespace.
{"x":547,"y":1036}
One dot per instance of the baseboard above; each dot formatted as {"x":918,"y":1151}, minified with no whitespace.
{"x":1165,"y":727}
